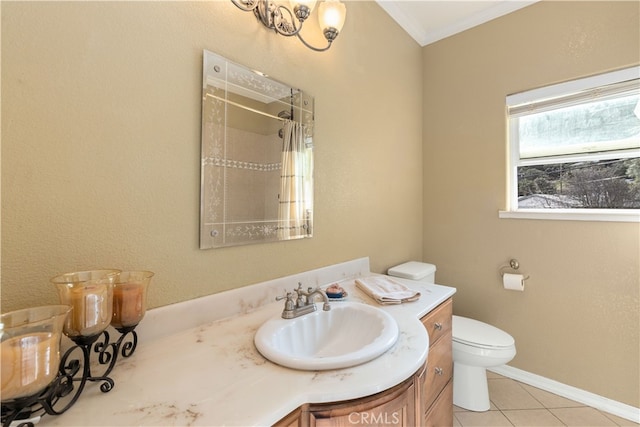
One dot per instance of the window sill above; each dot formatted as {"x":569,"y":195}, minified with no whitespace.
{"x":621,"y":215}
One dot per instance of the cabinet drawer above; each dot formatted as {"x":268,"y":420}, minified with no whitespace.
{"x":439,"y":370}
{"x":438,"y":322}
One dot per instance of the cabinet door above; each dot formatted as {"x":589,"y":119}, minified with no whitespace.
{"x":441,"y":413}
{"x":439,"y":370}
{"x":397,"y":411}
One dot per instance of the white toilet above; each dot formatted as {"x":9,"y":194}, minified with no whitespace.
{"x":476,"y":346}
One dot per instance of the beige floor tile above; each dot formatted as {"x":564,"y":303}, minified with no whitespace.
{"x":509,"y":394}
{"x":493,"y":375}
{"x":456,"y":423}
{"x":550,"y":400}
{"x":532,"y":418}
{"x":492,"y":407}
{"x":479,"y":419}
{"x":517,"y":404}
{"x":620,"y":421}
{"x":582,"y":417}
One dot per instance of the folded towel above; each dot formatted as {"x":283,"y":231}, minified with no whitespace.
{"x":386,"y":290}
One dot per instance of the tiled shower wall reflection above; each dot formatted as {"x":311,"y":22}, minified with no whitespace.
{"x":240,"y":180}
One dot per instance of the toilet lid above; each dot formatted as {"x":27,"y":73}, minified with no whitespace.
{"x":476,"y":333}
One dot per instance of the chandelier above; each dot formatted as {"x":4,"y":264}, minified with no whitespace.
{"x":289,"y":21}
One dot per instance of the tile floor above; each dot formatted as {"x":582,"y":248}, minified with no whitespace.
{"x":516,"y":404}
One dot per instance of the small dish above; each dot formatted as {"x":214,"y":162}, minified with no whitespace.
{"x":338,"y":297}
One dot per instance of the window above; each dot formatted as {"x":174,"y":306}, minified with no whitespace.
{"x":575,"y":149}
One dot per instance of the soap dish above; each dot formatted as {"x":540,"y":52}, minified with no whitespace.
{"x":337,"y":296}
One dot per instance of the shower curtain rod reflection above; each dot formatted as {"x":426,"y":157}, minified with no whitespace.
{"x":282,"y":119}
{"x":285,"y":115}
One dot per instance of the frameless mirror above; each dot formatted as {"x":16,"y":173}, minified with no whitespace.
{"x":257,"y":157}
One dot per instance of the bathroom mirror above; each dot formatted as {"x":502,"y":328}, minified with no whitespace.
{"x":257,"y":157}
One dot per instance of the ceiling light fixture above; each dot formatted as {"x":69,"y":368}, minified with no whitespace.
{"x":331,"y":15}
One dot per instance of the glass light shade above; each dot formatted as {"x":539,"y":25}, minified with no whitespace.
{"x":309,"y":3}
{"x":30,"y":349}
{"x":331,"y":14}
{"x":90,"y":294}
{"x":130,"y":298}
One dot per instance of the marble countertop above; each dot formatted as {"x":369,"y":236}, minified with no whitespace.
{"x":211,"y":374}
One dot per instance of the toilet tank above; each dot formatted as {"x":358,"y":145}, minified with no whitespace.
{"x":414,"y":270}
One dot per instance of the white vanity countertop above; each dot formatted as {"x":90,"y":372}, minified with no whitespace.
{"x":212,"y":374}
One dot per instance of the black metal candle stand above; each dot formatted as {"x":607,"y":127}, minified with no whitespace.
{"x":73,"y":374}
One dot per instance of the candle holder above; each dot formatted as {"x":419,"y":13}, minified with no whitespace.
{"x":129,"y":306}
{"x":30,"y":361}
{"x":90,"y":294}
{"x":92,"y":300}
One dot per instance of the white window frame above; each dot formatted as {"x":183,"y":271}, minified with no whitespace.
{"x":544,"y":96}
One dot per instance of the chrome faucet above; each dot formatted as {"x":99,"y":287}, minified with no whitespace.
{"x":303,"y":302}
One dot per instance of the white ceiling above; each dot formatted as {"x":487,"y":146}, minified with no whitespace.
{"x":428,"y":21}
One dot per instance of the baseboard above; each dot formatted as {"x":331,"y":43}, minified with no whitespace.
{"x":581,"y":396}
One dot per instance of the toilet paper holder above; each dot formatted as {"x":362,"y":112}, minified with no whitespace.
{"x":513,"y":267}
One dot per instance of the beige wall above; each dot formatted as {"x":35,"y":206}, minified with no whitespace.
{"x":577,"y":321}
{"x":101,"y":143}
{"x":100,"y":163}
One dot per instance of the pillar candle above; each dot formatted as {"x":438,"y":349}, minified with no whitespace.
{"x":28,"y":364}
{"x":91,"y":310}
{"x":128,"y":304}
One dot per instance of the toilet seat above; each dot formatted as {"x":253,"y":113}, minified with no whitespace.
{"x":478,"y":334}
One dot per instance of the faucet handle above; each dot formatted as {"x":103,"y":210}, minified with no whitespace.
{"x":288,"y":304}
{"x":302,"y":300}
{"x":288,"y":296}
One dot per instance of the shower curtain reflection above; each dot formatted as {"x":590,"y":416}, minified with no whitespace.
{"x":296,"y":185}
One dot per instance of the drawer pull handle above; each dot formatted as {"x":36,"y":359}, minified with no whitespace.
{"x":439,"y":371}
{"x":437,"y":326}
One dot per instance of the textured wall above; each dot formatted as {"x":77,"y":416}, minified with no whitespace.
{"x":101,"y":143}
{"x":577,"y":321}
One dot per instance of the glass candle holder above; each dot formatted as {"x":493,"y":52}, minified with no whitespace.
{"x":90,"y":294}
{"x":30,"y":349}
{"x":130,"y":298}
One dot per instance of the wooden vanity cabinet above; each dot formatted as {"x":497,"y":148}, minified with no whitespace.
{"x":425,"y":399}
{"x":435,"y":382}
{"x":294,"y":419}
{"x":440,"y":414}
{"x":396,"y":406}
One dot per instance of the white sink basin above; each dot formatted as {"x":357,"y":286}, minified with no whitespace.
{"x":347,"y":335}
